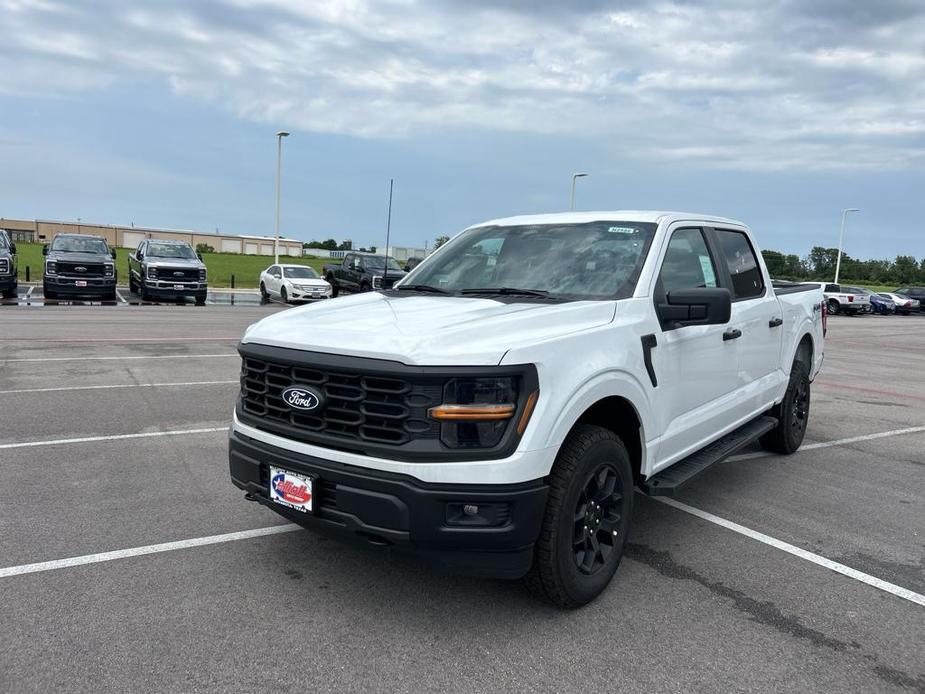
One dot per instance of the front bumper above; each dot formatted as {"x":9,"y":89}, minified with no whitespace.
{"x":92,"y":286}
{"x":165,"y":288}
{"x":308,"y":295}
{"x":7,"y":282}
{"x":389,"y":509}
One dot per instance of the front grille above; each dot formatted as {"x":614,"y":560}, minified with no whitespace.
{"x":178,"y":274}
{"x":360,"y":407}
{"x":89,"y":269}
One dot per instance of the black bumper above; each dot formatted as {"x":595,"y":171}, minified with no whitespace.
{"x":398,"y":511}
{"x":7,"y":282}
{"x":95,"y":286}
{"x":170,"y":292}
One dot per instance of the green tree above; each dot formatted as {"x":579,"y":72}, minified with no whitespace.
{"x":905,"y":269}
{"x":440,"y":240}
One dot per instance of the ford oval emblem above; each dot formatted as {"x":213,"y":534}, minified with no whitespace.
{"x":302,"y":398}
{"x":80,"y":268}
{"x":178,"y":274}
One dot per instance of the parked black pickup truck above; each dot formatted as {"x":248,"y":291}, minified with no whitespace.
{"x":363,"y":272}
{"x":79,"y":265}
{"x":8,"y":269}
{"x":167,"y":269}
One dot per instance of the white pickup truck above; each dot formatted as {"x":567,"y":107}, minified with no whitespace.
{"x":496,"y":409}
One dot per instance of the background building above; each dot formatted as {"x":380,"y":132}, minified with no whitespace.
{"x":43,"y":231}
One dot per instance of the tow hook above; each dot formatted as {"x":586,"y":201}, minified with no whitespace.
{"x":250,"y":497}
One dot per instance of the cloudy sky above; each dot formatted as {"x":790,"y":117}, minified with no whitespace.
{"x":779,"y":113}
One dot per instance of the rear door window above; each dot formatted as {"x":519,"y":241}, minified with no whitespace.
{"x":742,"y":263}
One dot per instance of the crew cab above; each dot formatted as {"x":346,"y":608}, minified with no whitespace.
{"x":9,"y":281}
{"x":495,"y":410}
{"x":79,"y":265}
{"x":362,"y":272}
{"x":293,"y":283}
{"x":837,"y":300}
{"x":167,"y":269}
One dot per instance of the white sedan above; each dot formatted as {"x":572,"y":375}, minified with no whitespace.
{"x":904,"y":304}
{"x":293,"y":283}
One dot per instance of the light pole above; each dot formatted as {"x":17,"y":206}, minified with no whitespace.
{"x":279,"y":167}
{"x":571,"y":199}
{"x":841,"y":238}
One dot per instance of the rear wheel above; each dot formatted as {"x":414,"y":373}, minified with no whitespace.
{"x":833,"y":307}
{"x":587,"y":516}
{"x":792,"y":414}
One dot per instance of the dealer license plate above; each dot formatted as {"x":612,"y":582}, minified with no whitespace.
{"x":291,"y":489}
{"x":80,"y":283}
{"x":178,"y":286}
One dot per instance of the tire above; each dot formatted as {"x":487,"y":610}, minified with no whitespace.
{"x":143,"y":293}
{"x":283,"y":295}
{"x":592,"y":458}
{"x":111,"y":296}
{"x":264,"y":294}
{"x":833,"y":307}
{"x":200,"y":299}
{"x":365,"y":287}
{"x":132,"y":287}
{"x":792,"y":414}
{"x":49,"y":293}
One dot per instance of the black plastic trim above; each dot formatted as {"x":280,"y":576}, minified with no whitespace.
{"x":649,"y":342}
{"x":429,"y":450}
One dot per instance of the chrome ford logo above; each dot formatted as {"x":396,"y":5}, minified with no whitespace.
{"x":178,"y":274}
{"x":80,"y":268}
{"x":302,"y":398}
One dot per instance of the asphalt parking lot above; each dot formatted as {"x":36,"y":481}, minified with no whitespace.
{"x":113,"y":441}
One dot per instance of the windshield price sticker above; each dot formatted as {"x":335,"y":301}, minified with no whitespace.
{"x":623,"y":230}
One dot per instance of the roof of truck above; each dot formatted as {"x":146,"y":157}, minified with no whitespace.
{"x":655,"y":216}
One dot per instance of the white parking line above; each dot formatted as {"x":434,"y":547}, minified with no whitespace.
{"x":29,"y":293}
{"x":878,"y":583}
{"x":109,"y":387}
{"x":829,"y":444}
{"x":114,"y":437}
{"x":147,"y":549}
{"x":120,"y":297}
{"x":153,"y":356}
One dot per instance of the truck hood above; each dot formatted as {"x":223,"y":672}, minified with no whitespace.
{"x":157,"y":261}
{"x":426,"y":330}
{"x":60,"y":256}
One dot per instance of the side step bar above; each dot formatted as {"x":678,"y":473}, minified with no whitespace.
{"x":670,"y":480}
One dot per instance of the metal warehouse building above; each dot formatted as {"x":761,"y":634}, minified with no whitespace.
{"x":43,"y":231}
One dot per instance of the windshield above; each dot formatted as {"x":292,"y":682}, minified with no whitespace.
{"x":593,"y":260}
{"x":305,"y":273}
{"x":2,"y":241}
{"x":170,"y":250}
{"x":79,"y":244}
{"x":377,"y":262}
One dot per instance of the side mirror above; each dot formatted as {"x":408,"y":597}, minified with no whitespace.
{"x":112,"y":252}
{"x":44,"y":250}
{"x":700,"y":306}
{"x":13,"y":248}
{"x":199,"y":255}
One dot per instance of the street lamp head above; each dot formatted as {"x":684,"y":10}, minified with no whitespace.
{"x":282,"y":133}
{"x":853,"y":209}
{"x":579,"y":175}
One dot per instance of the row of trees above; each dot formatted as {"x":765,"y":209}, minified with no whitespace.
{"x":820,"y":265}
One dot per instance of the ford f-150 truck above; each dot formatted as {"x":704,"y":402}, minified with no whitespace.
{"x":79,"y":265}
{"x":362,"y":272}
{"x":8,"y":269}
{"x":495,"y":410}
{"x":167,"y":269}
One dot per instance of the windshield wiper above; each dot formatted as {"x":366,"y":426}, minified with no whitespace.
{"x":421,"y":288}
{"x":510,"y":291}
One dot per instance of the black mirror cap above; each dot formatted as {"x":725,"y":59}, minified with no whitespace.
{"x":698,"y":306}
{"x":112,"y":252}
{"x":45,"y":249}
{"x":12,"y":248}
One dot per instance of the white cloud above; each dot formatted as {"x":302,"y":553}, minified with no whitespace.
{"x":807,"y":85}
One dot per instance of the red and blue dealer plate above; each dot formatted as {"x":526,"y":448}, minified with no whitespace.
{"x":291,"y":489}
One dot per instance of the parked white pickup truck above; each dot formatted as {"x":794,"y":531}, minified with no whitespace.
{"x":495,"y":410}
{"x":839,"y":300}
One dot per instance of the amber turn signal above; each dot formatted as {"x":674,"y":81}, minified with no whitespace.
{"x":528,"y":410}
{"x":472,"y":413}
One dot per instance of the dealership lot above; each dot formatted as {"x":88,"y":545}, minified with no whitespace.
{"x":113,"y":440}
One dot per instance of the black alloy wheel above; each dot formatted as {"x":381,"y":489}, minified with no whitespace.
{"x":597,"y":517}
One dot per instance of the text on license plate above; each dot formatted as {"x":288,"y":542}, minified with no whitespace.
{"x":80,"y":283}
{"x":291,"y":489}
{"x":178,"y":286}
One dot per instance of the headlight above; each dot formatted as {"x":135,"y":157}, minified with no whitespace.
{"x":51,"y":268}
{"x":202,"y":275}
{"x":377,"y":282}
{"x":476,"y":411}
{"x":109,"y":270}
{"x":4,"y":266}
{"x":152,"y":273}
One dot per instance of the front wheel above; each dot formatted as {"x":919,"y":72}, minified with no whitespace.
{"x":284,"y":295}
{"x":792,"y":414}
{"x":586,"y":521}
{"x":264,"y":294}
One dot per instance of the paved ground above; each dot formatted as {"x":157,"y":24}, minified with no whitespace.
{"x":695,"y":606}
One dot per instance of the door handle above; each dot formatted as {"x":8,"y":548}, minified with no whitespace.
{"x":732,"y":334}
{"x":775,"y":322}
